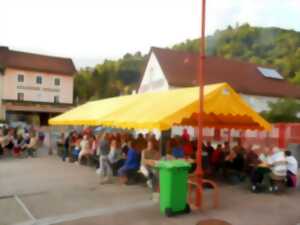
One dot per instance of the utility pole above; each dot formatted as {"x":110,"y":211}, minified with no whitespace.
{"x":199,"y":170}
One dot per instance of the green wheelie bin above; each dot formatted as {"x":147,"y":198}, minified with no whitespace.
{"x":173,"y":179}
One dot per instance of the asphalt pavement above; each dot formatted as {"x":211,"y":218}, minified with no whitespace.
{"x":46,"y":191}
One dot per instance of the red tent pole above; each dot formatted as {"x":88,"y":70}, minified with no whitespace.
{"x":282,"y":136}
{"x":229,"y":136}
{"x":199,"y":171}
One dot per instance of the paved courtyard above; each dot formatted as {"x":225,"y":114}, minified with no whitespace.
{"x":44,"y":191}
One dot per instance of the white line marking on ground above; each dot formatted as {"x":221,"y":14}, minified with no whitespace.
{"x":88,"y":213}
{"x":27,"y":223}
{"x":24,"y":208}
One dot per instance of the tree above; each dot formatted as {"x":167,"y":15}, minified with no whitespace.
{"x":129,"y":68}
{"x":108,"y":79}
{"x":296,"y":78}
{"x":82,"y":82}
{"x":283,"y":111}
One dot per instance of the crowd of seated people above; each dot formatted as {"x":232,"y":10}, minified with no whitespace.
{"x":272,"y":165}
{"x":77,"y":146}
{"x":259,"y":164}
{"x":18,"y":142}
{"x":123,"y":155}
{"x":116,"y":154}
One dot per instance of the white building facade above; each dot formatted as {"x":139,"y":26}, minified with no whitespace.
{"x":154,"y":79}
{"x":34,"y":87}
{"x":167,"y":69}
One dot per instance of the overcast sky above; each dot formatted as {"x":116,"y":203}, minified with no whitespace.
{"x":91,"y":30}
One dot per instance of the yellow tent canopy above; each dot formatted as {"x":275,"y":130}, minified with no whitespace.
{"x":223,"y":108}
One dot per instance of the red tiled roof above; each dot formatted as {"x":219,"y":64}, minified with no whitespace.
{"x":180,"y":69}
{"x":35,"y":62}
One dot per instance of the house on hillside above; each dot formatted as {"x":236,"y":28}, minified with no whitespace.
{"x":258,"y":85}
{"x":34,"y":87}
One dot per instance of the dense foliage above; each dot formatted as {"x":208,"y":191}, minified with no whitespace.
{"x":108,"y":79}
{"x":283,"y":111}
{"x":266,"y":46}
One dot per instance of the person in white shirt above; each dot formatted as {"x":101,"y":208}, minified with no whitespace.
{"x":263,"y":155}
{"x":292,"y":169}
{"x":85,"y":148}
{"x":278,"y":166}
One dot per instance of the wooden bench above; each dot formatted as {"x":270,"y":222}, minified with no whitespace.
{"x":194,"y":186}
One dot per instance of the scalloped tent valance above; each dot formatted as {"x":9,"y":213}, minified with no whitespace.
{"x":223,"y":108}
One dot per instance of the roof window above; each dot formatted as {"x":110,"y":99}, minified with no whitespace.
{"x":270,"y":73}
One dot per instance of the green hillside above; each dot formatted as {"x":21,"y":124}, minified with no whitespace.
{"x":276,"y":47}
{"x":265,"y":46}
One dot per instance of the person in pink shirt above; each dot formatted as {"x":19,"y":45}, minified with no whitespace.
{"x":94,"y":145}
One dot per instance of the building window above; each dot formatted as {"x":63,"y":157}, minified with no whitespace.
{"x":20,"y":78}
{"x":39,"y":80}
{"x":57,"y":82}
{"x":20,"y":96}
{"x":56,"y":99}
